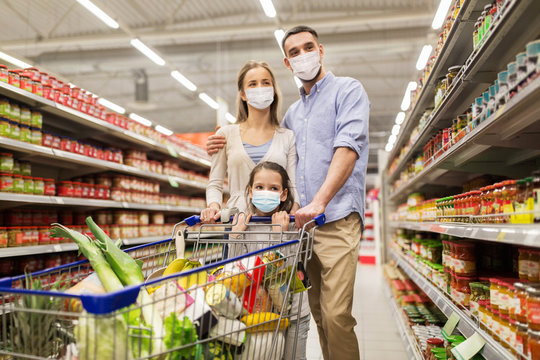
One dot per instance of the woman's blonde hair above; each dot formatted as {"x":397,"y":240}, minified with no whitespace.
{"x":242,"y":114}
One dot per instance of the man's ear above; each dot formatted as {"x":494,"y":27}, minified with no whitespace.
{"x":321,"y":51}
{"x":287,"y":63}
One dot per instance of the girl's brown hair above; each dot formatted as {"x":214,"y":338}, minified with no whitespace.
{"x":285,"y":184}
{"x":243,"y":111}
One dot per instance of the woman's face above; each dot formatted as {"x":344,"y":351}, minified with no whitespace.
{"x":268,"y":180}
{"x":256,"y":77}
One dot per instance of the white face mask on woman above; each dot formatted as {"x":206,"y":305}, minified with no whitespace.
{"x":306,"y":66}
{"x":260,"y":97}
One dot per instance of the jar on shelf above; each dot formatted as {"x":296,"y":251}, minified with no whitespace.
{"x":49,"y":187}
{"x":522,"y":338}
{"x":14,"y":130}
{"x":18,"y":184}
{"x":6,"y":163}
{"x":534,"y":344}
{"x":451,"y":75}
{"x":4,"y":73}
{"x":28,"y":185}
{"x":15,"y":236}
{"x":464,"y":258}
{"x":3,"y":237}
{"x":533,"y":308}
{"x":65,"y":188}
{"x":534,"y":265}
{"x":520,"y":299}
{"x":39,"y":186}
{"x":523,"y":263}
{"x":461,"y":291}
{"x":6,"y":182}
{"x":35,"y":136}
{"x":14,"y":78}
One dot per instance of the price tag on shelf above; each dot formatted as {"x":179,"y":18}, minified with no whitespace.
{"x":450,"y":325}
{"x":173,"y":182}
{"x":501,"y":235}
{"x":470,"y":347}
{"x":172,"y":151}
{"x":499,"y":112}
{"x":125,"y":205}
{"x":57,"y":248}
{"x":59,"y":200}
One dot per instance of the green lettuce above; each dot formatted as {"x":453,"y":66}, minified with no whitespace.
{"x":179,"y":333}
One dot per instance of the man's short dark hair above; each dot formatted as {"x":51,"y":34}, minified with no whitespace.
{"x":296,"y":30}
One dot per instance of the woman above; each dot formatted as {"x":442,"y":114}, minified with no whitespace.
{"x":255,"y":137}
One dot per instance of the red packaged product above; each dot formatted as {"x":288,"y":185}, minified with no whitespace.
{"x":65,"y":188}
{"x":65,"y":144}
{"x":77,"y":189}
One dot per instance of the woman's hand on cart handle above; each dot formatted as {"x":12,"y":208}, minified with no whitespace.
{"x":210,"y":215}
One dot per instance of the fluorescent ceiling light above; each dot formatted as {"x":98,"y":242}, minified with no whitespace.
{"x":164,"y":130}
{"x":400,"y":117}
{"x":10,"y":59}
{"x":149,"y":53}
{"x":392,"y":139}
{"x":111,"y":105}
{"x":140,"y":119}
{"x":99,"y":13}
{"x":183,"y":80}
{"x":279,"y":34}
{"x":298,"y":82}
{"x":424,"y":56}
{"x":440,"y":15}
{"x":268,"y":8}
{"x":389,"y":147}
{"x":395,"y":129}
{"x":230,"y":118}
{"x":209,"y":101}
{"x":407,"y":97}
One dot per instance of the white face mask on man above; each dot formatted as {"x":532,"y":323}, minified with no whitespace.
{"x":306,"y":66}
{"x":260,"y":97}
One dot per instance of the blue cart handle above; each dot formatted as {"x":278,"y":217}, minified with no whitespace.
{"x":195,"y":219}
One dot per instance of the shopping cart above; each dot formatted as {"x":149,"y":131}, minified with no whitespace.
{"x":237,"y":304}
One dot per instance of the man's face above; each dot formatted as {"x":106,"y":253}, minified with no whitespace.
{"x":299,"y":44}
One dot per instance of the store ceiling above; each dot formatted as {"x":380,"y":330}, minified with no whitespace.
{"x":374,"y":41}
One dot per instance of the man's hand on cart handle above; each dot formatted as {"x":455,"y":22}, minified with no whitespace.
{"x":215,"y":143}
{"x":307,"y":213}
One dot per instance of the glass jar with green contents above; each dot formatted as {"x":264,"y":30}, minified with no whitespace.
{"x":14,"y":130}
{"x":14,"y":113}
{"x":39,"y":186}
{"x":26,"y":116}
{"x":6,"y":162}
{"x":26,"y":168}
{"x":4,"y":108}
{"x":36,"y":135}
{"x":5,"y":128}
{"x":36,"y":119}
{"x":6,"y":182}
{"x":18,"y":184}
{"x":28,"y":185}
{"x":25,"y":134}
{"x":435,"y":251}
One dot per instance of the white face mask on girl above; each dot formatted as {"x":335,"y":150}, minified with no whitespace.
{"x":260,"y":97}
{"x":306,"y":66}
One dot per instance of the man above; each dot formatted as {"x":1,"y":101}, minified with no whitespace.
{"x":330,"y":123}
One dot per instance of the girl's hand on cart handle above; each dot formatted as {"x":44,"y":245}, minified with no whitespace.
{"x":307,"y":213}
{"x":240,"y":221}
{"x":280,"y":218}
{"x":215,"y":143}
{"x":210,"y":215}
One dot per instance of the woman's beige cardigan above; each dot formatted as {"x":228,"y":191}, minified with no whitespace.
{"x":234,"y":161}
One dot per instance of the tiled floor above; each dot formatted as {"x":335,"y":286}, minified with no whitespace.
{"x":377,"y":332}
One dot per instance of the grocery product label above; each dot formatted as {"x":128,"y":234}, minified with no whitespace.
{"x":451,"y":324}
{"x":523,"y":266}
{"x":464,"y":266}
{"x":469,"y":347}
{"x":533,"y":269}
{"x":474,"y":306}
{"x":503,"y":301}
{"x":533,"y":313}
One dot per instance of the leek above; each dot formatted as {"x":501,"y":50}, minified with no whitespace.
{"x":94,"y":255}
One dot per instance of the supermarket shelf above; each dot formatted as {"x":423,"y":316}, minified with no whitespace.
{"x":411,"y":345}
{"x":492,"y":349}
{"x":454,"y":52}
{"x":491,"y":139}
{"x":70,"y":157}
{"x":523,"y":235}
{"x":86,"y":120}
{"x":83,"y":202}
{"x":39,"y":249}
{"x":481,"y":70}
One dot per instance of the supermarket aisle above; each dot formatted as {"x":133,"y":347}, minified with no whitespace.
{"x":377,"y":331}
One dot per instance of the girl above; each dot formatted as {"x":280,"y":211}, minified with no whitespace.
{"x":255,"y":137}
{"x":269,"y":194}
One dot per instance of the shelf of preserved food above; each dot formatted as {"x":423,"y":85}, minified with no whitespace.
{"x":409,"y":341}
{"x":37,"y":150}
{"x":454,"y":52}
{"x":494,"y":137}
{"x":515,"y":234}
{"x":76,"y":116}
{"x":467,"y":326}
{"x":480,"y":70}
{"x":93,"y":203}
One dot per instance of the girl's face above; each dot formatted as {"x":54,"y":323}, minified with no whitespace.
{"x":270,"y":181}
{"x":256,"y":77}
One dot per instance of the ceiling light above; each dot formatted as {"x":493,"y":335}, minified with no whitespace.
{"x":268,"y":8}
{"x":164,"y":130}
{"x":400,"y":117}
{"x":183,"y":80}
{"x":392,"y":139}
{"x":279,"y":34}
{"x":10,"y":59}
{"x":111,"y":106}
{"x":440,"y":15}
{"x":230,"y":118}
{"x":149,"y":53}
{"x":424,"y":56}
{"x":395,"y":129}
{"x":209,"y":101}
{"x":389,"y":147}
{"x":140,"y":119}
{"x":407,"y":97}
{"x":99,"y":13}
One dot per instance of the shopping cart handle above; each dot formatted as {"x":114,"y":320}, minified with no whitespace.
{"x":195,"y":219}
